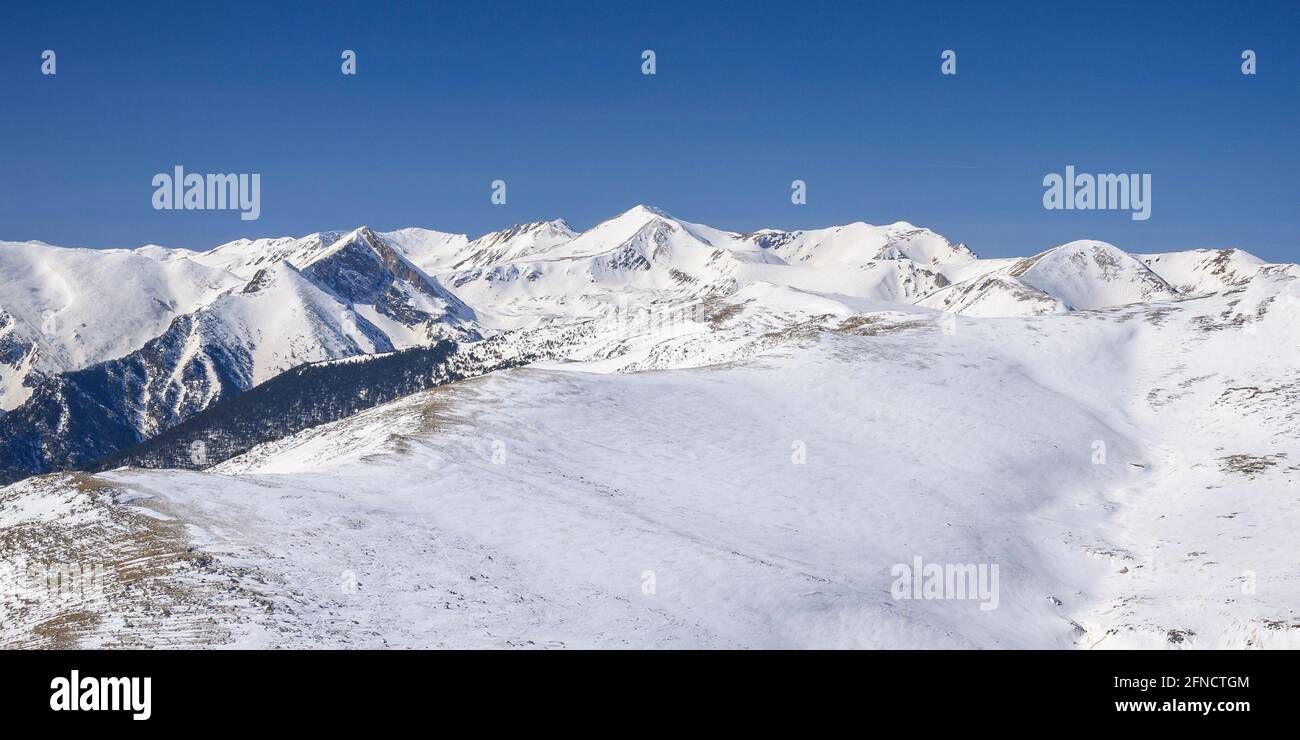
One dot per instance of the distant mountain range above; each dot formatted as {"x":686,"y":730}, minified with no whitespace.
{"x":650,"y":433}
{"x":101,"y":350}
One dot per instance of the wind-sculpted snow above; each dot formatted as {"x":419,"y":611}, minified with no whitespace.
{"x":1128,"y":471}
{"x":658,"y":433}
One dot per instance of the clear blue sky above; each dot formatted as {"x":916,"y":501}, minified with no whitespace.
{"x":549,"y":97}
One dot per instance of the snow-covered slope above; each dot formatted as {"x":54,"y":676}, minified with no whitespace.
{"x":723,"y":439}
{"x":858,"y":242}
{"x":642,"y":290}
{"x":995,"y":294}
{"x":515,"y":244}
{"x":279,"y":320}
{"x":1091,"y":274}
{"x":1130,"y":473}
{"x":1197,"y":271}
{"x":1080,"y":275}
{"x":63,"y":309}
{"x":646,"y":256}
{"x":244,"y":257}
{"x":353,"y":296}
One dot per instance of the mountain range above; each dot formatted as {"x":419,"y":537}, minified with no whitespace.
{"x":498,"y":438}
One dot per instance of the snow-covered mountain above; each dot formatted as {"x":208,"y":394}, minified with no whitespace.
{"x":355,"y":295}
{"x":1081,"y":275}
{"x":641,"y":290}
{"x":1118,"y":432}
{"x":1198,"y":271}
{"x":645,"y":255}
{"x":1129,"y":473}
{"x":1090,"y":275}
{"x":63,"y":309}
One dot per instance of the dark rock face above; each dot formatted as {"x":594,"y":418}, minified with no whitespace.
{"x":12,"y":348}
{"x":305,"y":397}
{"x":366,"y":270}
{"x":80,"y":416}
{"x":207,"y":357}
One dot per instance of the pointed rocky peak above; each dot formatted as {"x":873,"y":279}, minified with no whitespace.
{"x":618,"y":232}
{"x":649,"y":243}
{"x":363,"y":268}
{"x":362,"y":250}
{"x":361,"y":236}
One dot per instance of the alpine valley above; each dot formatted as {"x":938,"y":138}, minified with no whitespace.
{"x":652,"y":433}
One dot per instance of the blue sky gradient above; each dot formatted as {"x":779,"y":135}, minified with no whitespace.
{"x":749,"y":96}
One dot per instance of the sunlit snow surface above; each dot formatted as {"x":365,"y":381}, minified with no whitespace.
{"x":760,"y":501}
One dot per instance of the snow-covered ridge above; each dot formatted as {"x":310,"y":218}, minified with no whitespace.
{"x":65,"y":309}
{"x":769,"y":499}
{"x":1122,"y":439}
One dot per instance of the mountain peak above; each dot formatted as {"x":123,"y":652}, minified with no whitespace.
{"x":1088,"y":274}
{"x":363,"y":233}
{"x":645,"y":208}
{"x":642,"y":211}
{"x":631,"y":220}
{"x":361,"y":236}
